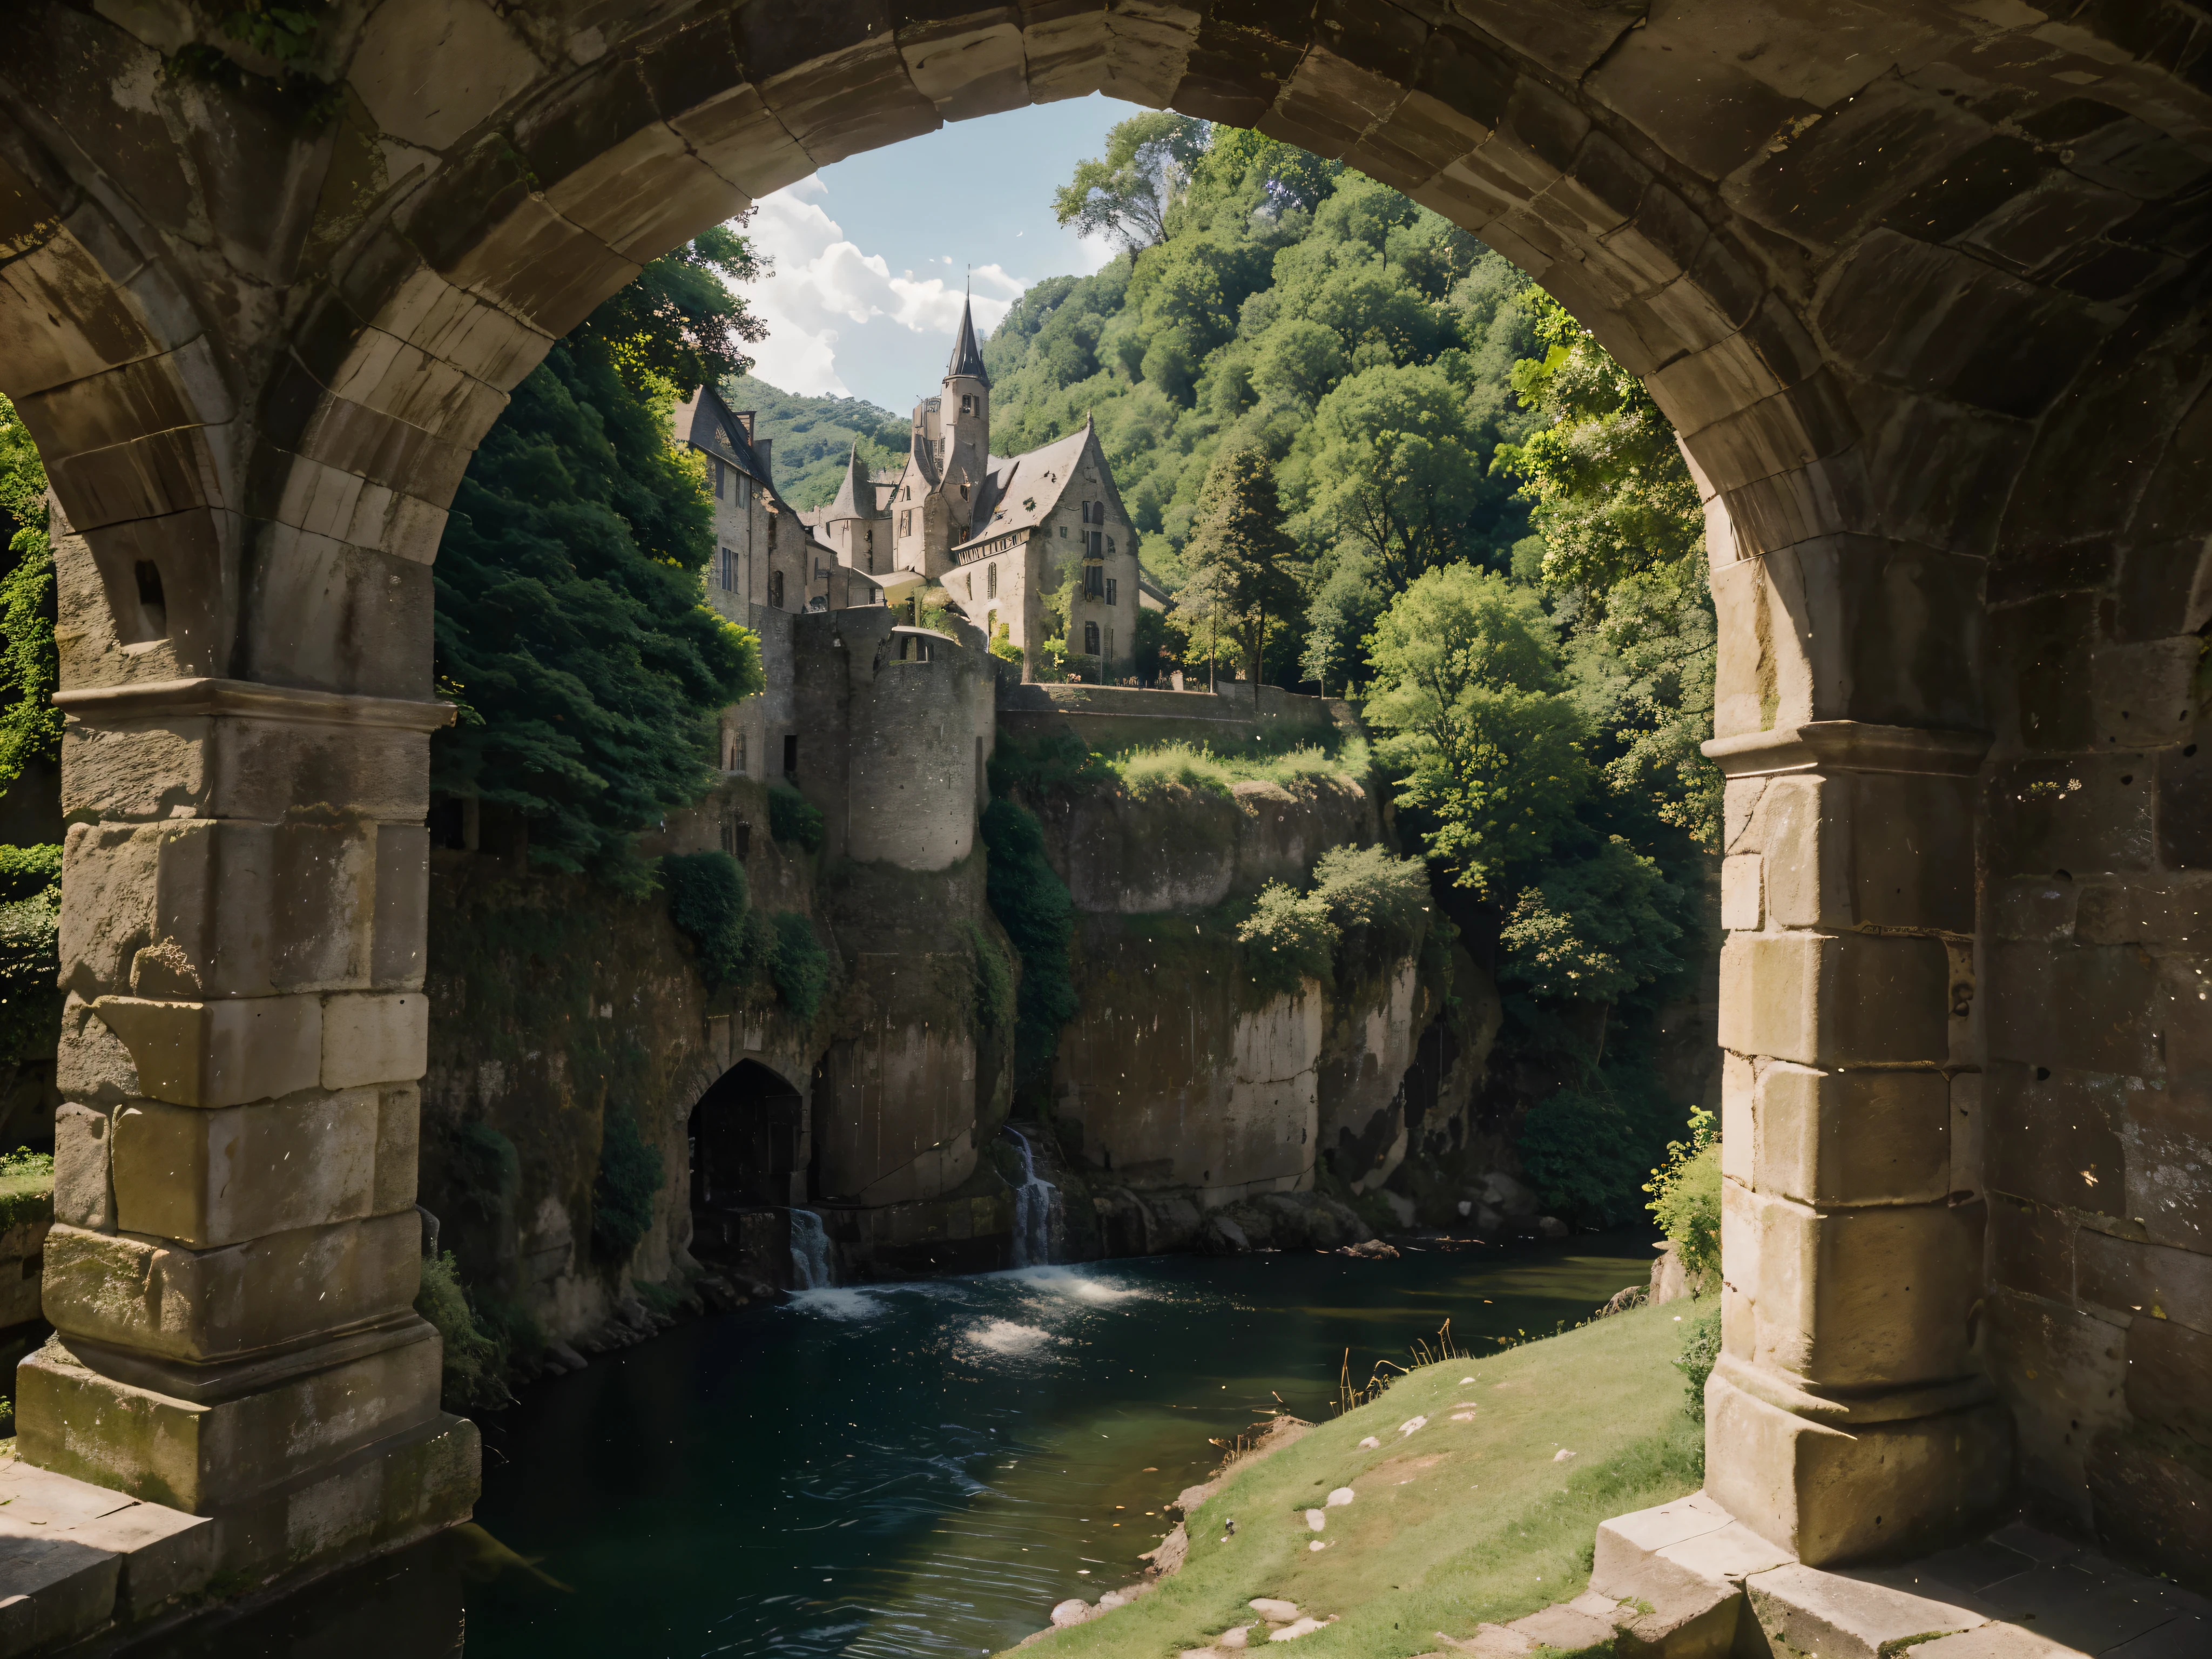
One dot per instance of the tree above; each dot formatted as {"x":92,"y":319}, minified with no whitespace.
{"x":570,"y":626}
{"x":30,"y":725}
{"x":1623,"y":541}
{"x":1394,"y":461}
{"x":1241,"y":554}
{"x":1127,"y":194}
{"x":1488,"y":744}
{"x":680,"y":322}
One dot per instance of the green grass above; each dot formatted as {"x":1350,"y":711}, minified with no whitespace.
{"x":27,"y":1187}
{"x":1456,"y":1525}
{"x":1153,"y":769}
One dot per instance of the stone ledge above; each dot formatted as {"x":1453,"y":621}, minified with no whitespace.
{"x":1686,"y":1574}
{"x":74,"y":1558}
{"x":158,"y":700}
{"x":1848,"y":746}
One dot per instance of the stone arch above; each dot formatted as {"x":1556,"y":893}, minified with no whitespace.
{"x":1921,"y":288}
{"x":749,"y":1150}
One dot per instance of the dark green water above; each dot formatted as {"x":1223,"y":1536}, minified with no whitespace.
{"x":917,"y":1469}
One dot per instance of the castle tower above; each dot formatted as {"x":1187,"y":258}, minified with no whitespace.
{"x":964,"y":421}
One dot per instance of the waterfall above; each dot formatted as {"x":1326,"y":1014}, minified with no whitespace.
{"x":810,"y":1253}
{"x":1034,"y":1200}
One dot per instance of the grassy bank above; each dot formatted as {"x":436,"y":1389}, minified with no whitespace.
{"x":1472,"y":1518}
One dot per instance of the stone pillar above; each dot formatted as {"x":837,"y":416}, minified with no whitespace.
{"x":236,"y":1253}
{"x":1849,"y":1418}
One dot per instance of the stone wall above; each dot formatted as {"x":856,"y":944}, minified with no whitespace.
{"x":1108,"y":718}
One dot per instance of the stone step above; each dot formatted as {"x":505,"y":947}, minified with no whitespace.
{"x":1692,"y":1582}
{"x":74,"y":1558}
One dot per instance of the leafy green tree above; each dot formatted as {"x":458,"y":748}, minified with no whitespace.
{"x":1487,"y":742}
{"x":30,"y":725}
{"x":1622,"y":533}
{"x":1395,"y":461}
{"x":681,"y":321}
{"x":571,"y":626}
{"x":1240,"y":556}
{"x":1127,"y":194}
{"x":1592,"y":929}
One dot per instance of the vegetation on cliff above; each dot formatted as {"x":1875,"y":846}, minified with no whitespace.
{"x":570,"y":624}
{"x":1490,"y":534}
{"x":30,"y":737}
{"x":1032,"y":904}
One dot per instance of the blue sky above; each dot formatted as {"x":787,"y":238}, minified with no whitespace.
{"x":871,"y":253}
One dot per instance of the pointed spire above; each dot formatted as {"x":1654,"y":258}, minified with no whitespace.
{"x":967,"y":356}
{"x":856,"y":493}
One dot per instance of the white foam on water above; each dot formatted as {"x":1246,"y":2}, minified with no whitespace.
{"x":1004,"y":1336}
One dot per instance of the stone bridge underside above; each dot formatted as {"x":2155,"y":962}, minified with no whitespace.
{"x":1921,"y":283}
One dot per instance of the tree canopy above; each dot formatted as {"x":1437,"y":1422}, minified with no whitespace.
{"x":30,"y":725}
{"x":571,"y":622}
{"x":1127,"y":193}
{"x":1240,"y":555}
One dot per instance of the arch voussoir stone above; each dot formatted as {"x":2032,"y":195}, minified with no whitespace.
{"x":1921,"y":288}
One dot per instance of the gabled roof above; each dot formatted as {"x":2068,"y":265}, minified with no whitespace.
{"x":707,"y":422}
{"x":967,"y":356}
{"x":1021,"y":492}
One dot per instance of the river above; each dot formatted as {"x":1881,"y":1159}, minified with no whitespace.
{"x":899,"y":1469}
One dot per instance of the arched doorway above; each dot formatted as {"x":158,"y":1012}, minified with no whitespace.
{"x":747,"y":1137}
{"x":1923,"y":288}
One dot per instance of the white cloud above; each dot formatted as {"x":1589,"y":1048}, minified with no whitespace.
{"x":823,"y":284}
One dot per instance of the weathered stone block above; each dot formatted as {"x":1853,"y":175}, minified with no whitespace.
{"x":2063,"y":1375}
{"x":1968,"y":1137}
{"x":219,"y":1053}
{"x":402,"y":895}
{"x":2185,"y":807}
{"x":2169,"y":1377}
{"x":82,"y":1195}
{"x":399,"y":1139}
{"x":378,"y":1037}
{"x":2054,"y":1136}
{"x":2153,"y":1504}
{"x":2151,"y":1280}
{"x":429,"y":72}
{"x":147,"y":1294}
{"x":1846,"y":1138}
{"x":91,"y":1063}
{"x":389,"y":1494}
{"x":2148,"y":911}
{"x":201,"y":1454}
{"x":1881,"y":1491}
{"x":2144,"y":695}
{"x":2031,"y":1248}
{"x":2075,"y":1008}
{"x":1830,"y":1001}
{"x":2081,"y":815}
{"x":2039,"y":908}
{"x":207,"y":1178}
{"x":1742,"y":906}
{"x":1854,"y":1298}
{"x":223,"y":767}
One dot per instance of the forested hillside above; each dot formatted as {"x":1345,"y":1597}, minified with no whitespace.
{"x":1485,"y":529}
{"x":814,"y":436}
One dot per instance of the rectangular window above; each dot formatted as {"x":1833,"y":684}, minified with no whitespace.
{"x":791,"y":757}
{"x":1109,"y":547}
{"x":738,"y":753}
{"x":991,"y":582}
{"x":967,"y":402}
{"x":906,"y":523}
{"x":1097,"y":544}
{"x":1094,"y":581}
{"x":1113,"y":589}
{"x":1109,"y":645}
{"x":1090,"y":638}
{"x":775,"y":589}
{"x":738,"y":840}
{"x":714,"y":474}
{"x":1063,"y":533}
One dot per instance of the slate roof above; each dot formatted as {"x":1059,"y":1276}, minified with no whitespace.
{"x":1019,"y":492}
{"x":967,"y":356}
{"x":714,"y":427}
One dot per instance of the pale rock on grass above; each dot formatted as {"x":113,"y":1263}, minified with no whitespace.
{"x":1316,"y":1519}
{"x":1340,"y":1496}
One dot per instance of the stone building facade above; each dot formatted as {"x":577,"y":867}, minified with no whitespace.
{"x":1014,"y":540}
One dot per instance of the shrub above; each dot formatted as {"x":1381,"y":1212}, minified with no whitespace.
{"x":27,"y":1187}
{"x":1003,"y":646}
{"x":1288,"y":938}
{"x":993,"y":983}
{"x":1380,"y":900}
{"x":1032,"y":904}
{"x":475,"y":1359}
{"x":1686,"y":1198}
{"x":485,"y":1171}
{"x":1059,"y":762}
{"x":30,"y":953}
{"x":1701,"y":1351}
{"x":709,"y":902}
{"x":799,"y":966}
{"x":629,"y":1175}
{"x":796,"y":821}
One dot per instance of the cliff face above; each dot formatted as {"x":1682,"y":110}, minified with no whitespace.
{"x":1178,"y":1083}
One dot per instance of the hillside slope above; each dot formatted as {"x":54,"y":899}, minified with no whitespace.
{"x":814,"y":436}
{"x":1471,"y":1518}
